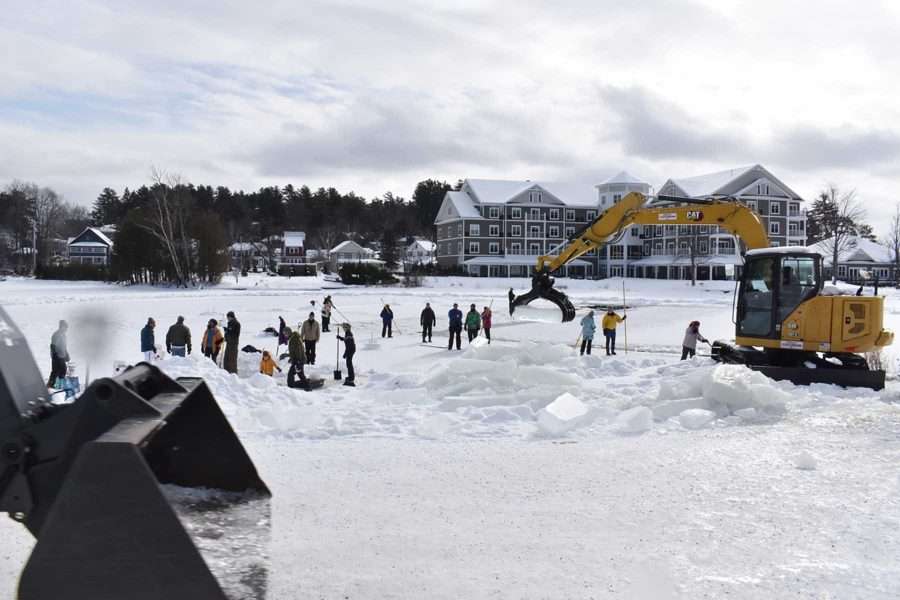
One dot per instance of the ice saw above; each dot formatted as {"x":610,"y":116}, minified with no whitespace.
{"x":137,"y":489}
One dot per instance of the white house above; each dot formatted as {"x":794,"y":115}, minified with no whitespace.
{"x":90,"y":247}
{"x":350,"y":252}
{"x":420,"y":252}
{"x":859,"y":260}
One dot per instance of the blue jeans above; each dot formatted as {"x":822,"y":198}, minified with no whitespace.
{"x":178,"y":351}
{"x":610,"y":335}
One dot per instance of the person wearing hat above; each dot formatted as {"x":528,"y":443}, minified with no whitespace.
{"x":349,"y":351}
{"x":267,"y":364}
{"x":387,"y":320}
{"x":486,"y":319}
{"x":296,"y":357}
{"x":427,"y":320}
{"x":232,"y":339}
{"x":178,"y":338}
{"x":310,"y":332}
{"x":59,"y":354}
{"x":148,"y":340}
{"x":689,"y":344}
{"x":588,"y":327}
{"x":610,"y":320}
{"x":212,"y":340}
{"x":456,"y":322}
{"x":473,"y":323}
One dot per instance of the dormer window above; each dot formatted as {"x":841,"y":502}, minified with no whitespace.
{"x":534,"y":197}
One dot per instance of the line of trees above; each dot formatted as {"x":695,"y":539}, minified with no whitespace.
{"x":177,"y":232}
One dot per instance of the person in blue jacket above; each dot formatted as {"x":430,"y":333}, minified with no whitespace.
{"x":148,"y":340}
{"x":387,"y":318}
{"x":456,"y":322}
{"x":588,"y":327}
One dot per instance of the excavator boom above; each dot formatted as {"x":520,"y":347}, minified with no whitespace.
{"x":634,"y":209}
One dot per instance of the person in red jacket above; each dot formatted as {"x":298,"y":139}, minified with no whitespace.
{"x":486,"y":315}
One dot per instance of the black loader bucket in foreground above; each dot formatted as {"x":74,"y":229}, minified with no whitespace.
{"x":542,"y":287}
{"x":139,"y":489}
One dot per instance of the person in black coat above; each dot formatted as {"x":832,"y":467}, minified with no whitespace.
{"x":427,"y":320}
{"x":232,"y":339}
{"x":349,"y":351}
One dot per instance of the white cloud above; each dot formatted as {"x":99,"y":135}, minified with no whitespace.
{"x":375,"y":96}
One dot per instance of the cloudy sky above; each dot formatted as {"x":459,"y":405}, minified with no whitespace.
{"x":375,"y":96}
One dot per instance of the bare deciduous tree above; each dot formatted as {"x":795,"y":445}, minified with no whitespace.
{"x":167,"y":222}
{"x":839,"y":214}
{"x":893,"y":239}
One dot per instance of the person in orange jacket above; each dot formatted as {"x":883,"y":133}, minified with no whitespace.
{"x":268,"y":365}
{"x":212,"y":340}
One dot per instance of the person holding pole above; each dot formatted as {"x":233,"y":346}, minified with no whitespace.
{"x":610,"y":321}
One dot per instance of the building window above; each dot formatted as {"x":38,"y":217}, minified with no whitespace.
{"x":725,"y":246}
{"x":657,"y":249}
{"x":659,"y":231}
{"x":493,"y":248}
{"x":775,"y":228}
{"x":775,"y":208}
{"x":474,"y":229}
{"x":534,"y":197}
{"x":515,"y":248}
{"x":534,"y":248}
{"x":534,"y":231}
{"x":751,"y":204}
{"x":603,"y":199}
{"x":591,"y":215}
{"x":459,"y":247}
{"x":554,"y":214}
{"x":704,"y":228}
{"x":570,"y":215}
{"x":648,"y":248}
{"x":762,"y":189}
{"x":616,"y":252}
{"x":775,"y":244}
{"x":670,"y":230}
{"x":702,"y":246}
{"x":474,"y":247}
{"x":494,"y":230}
{"x":516,"y":230}
{"x":684,"y":229}
{"x":534,"y":214}
{"x":842,"y":270}
{"x":794,"y":209}
{"x":670,"y":247}
{"x":683,"y":248}
{"x":793,"y":229}
{"x":647,"y":231}
{"x":616,"y":198}
{"x":635,"y":232}
{"x":570,"y":231}
{"x":554,"y":231}
{"x":517,"y":213}
{"x":495,"y":212}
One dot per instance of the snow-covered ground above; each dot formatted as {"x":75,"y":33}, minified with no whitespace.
{"x":519,"y":469}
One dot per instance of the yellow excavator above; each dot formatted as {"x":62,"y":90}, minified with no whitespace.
{"x":788,"y":324}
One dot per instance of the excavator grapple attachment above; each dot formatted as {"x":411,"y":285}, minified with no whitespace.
{"x":542,"y":287}
{"x":138,"y":489}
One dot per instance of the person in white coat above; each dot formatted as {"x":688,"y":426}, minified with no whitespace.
{"x":691,"y":335}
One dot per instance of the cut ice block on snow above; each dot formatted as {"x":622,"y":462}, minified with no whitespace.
{"x":673,"y":408}
{"x":805,"y":461}
{"x":696,"y":418}
{"x":634,"y":420}
{"x":562,"y":415}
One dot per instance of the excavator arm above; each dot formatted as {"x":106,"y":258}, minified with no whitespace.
{"x":633,"y":209}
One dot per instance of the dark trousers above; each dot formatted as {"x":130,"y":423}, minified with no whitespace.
{"x":487,"y":334}
{"x":295,"y":370}
{"x":610,"y":335}
{"x":231,"y":354}
{"x":351,"y":376}
{"x":426,"y":332}
{"x":386,"y":328}
{"x":687,"y":352}
{"x":325,"y":322}
{"x":310,"y":352}
{"x":210,"y":353}
{"x":57,"y":369}
{"x":455,"y":331}
{"x":586,"y":345}
{"x":473,"y":333}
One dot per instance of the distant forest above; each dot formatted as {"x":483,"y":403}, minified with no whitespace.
{"x":178,"y":232}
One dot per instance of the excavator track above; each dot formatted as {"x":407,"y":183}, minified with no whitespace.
{"x":803,"y":370}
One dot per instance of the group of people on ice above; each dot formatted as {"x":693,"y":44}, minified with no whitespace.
{"x":612,"y":319}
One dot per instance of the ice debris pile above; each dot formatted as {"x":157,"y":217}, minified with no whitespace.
{"x":527,"y":391}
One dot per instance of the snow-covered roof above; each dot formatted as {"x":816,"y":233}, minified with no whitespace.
{"x":622,"y":177}
{"x":500,"y":191}
{"x":89,"y":244}
{"x":351,"y":246}
{"x":856,"y":249}
{"x":425,"y":245}
{"x":246,"y":247}
{"x":685,"y":261}
{"x":99,"y":235}
{"x":781,"y":250}
{"x":727,"y":182}
{"x":294,"y":239}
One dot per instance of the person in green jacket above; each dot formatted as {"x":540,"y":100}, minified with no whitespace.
{"x":473,"y":323}
{"x":297,"y":357}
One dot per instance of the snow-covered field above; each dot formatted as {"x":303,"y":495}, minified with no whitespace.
{"x":467,"y":475}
